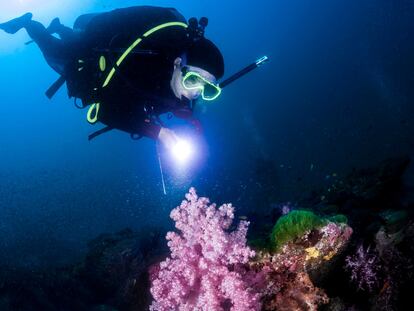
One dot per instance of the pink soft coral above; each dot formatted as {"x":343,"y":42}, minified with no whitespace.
{"x":204,"y":270}
{"x":364,"y":268}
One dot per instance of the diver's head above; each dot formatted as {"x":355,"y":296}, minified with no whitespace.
{"x":197,"y":70}
{"x":190,"y":81}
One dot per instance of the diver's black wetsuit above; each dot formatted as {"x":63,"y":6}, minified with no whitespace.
{"x":140,"y":88}
{"x":56,"y":52}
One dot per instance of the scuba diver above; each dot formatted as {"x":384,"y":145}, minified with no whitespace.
{"x":131,"y":65}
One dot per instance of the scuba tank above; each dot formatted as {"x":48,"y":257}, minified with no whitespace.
{"x":82,"y":22}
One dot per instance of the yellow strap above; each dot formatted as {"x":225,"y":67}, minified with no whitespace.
{"x":138,"y":41}
{"x":93,"y":109}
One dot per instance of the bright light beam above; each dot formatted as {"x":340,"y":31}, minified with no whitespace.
{"x":182,"y":151}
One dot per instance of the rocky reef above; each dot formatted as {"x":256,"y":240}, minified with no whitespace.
{"x":299,"y":257}
{"x":112,"y":276}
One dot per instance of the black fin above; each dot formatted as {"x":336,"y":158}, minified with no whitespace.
{"x":16,"y":24}
{"x":54,"y":25}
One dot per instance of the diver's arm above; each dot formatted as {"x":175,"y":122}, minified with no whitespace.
{"x":150,"y":130}
{"x":186,"y":113}
{"x":192,"y":120}
{"x":197,"y":125}
{"x":166,"y":136}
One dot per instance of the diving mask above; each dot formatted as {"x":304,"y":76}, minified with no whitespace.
{"x":193,"y":80}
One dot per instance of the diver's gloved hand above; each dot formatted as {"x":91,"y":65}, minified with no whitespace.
{"x":167,"y":137}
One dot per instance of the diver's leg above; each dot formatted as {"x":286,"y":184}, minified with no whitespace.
{"x":65,"y":33}
{"x":55,"y":51}
{"x":48,"y":44}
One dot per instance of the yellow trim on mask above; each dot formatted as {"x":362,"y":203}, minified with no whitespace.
{"x":201,"y":87}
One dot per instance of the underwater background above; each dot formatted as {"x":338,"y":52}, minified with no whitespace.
{"x":336,"y":96}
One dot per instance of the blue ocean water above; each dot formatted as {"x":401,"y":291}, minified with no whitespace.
{"x":336,"y":94}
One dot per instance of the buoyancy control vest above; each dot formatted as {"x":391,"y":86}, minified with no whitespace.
{"x":124,"y":60}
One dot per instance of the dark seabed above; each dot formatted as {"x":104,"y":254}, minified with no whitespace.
{"x":314,"y":149}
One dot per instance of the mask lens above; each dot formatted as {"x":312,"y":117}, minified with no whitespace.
{"x":210,"y":91}
{"x":193,"y":81}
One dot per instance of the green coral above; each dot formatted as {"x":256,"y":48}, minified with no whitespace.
{"x":292,"y":226}
{"x":339,"y":219}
